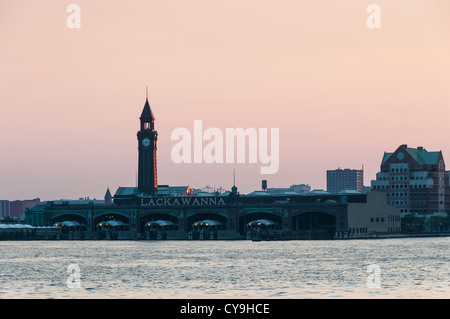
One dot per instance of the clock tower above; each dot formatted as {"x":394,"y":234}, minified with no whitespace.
{"x":147,"y":137}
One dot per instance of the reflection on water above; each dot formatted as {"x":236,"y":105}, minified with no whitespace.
{"x":410,"y":268}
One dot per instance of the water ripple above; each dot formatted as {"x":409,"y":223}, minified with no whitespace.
{"x":410,"y":268}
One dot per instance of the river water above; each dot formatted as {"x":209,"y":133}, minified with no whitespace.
{"x":408,"y":268}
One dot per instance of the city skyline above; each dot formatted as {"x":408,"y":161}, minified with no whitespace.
{"x":340,"y":93}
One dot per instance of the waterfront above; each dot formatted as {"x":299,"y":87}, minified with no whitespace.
{"x":410,"y":268}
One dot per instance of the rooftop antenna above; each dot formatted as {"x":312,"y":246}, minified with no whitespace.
{"x":146,"y":92}
{"x":234,"y":177}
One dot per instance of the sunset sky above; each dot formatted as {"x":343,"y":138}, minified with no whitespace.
{"x":340,"y":93}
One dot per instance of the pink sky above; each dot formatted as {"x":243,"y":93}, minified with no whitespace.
{"x":340,"y":93}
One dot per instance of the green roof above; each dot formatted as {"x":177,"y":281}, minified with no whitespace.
{"x":349,"y":192}
{"x":126,"y":191}
{"x":420,"y":155}
{"x":259,"y":193}
{"x":318,"y":192}
{"x":386,"y":157}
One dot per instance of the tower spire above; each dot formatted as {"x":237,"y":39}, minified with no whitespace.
{"x":146,"y":92}
{"x":234,"y":177}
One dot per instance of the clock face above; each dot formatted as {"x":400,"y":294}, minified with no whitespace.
{"x":146,"y":142}
{"x":400,"y":156}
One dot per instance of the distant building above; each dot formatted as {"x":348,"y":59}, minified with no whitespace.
{"x":339,"y":180}
{"x":5,"y":208}
{"x":415,"y":181}
{"x":299,"y":188}
{"x":208,"y":189}
{"x":17,"y":207}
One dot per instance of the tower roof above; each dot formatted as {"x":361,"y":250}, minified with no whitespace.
{"x":108,"y":194}
{"x":147,"y":113}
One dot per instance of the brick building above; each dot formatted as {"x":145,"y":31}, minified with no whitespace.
{"x":415,"y":181}
{"x":339,"y":180}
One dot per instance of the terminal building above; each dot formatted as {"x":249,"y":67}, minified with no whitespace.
{"x":152,"y":211}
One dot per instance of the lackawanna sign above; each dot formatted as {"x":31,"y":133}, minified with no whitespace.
{"x":183,"y":201}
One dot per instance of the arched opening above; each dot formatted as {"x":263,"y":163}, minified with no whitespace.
{"x":111,"y":226}
{"x":206,"y":225}
{"x":206,"y":229}
{"x":157,"y":229}
{"x":262,"y":229}
{"x":198,"y":218}
{"x":111,"y":217}
{"x":160,"y":226}
{"x":72,"y":226}
{"x":144,"y":220}
{"x":78,"y":220}
{"x":250,"y":217}
{"x":316,"y":225}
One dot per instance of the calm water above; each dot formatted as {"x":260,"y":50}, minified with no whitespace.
{"x":410,"y":268}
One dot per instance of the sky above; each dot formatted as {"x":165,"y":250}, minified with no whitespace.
{"x":340,"y":93}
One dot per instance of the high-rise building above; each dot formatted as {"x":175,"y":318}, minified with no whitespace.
{"x":415,"y":180}
{"x":339,"y":180}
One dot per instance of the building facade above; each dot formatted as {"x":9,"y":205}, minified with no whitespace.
{"x":376,"y":218}
{"x":415,"y":181}
{"x":315,"y":216}
{"x":339,"y":180}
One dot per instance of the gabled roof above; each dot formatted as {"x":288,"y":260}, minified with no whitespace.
{"x":385,"y":157}
{"x":420,"y":155}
